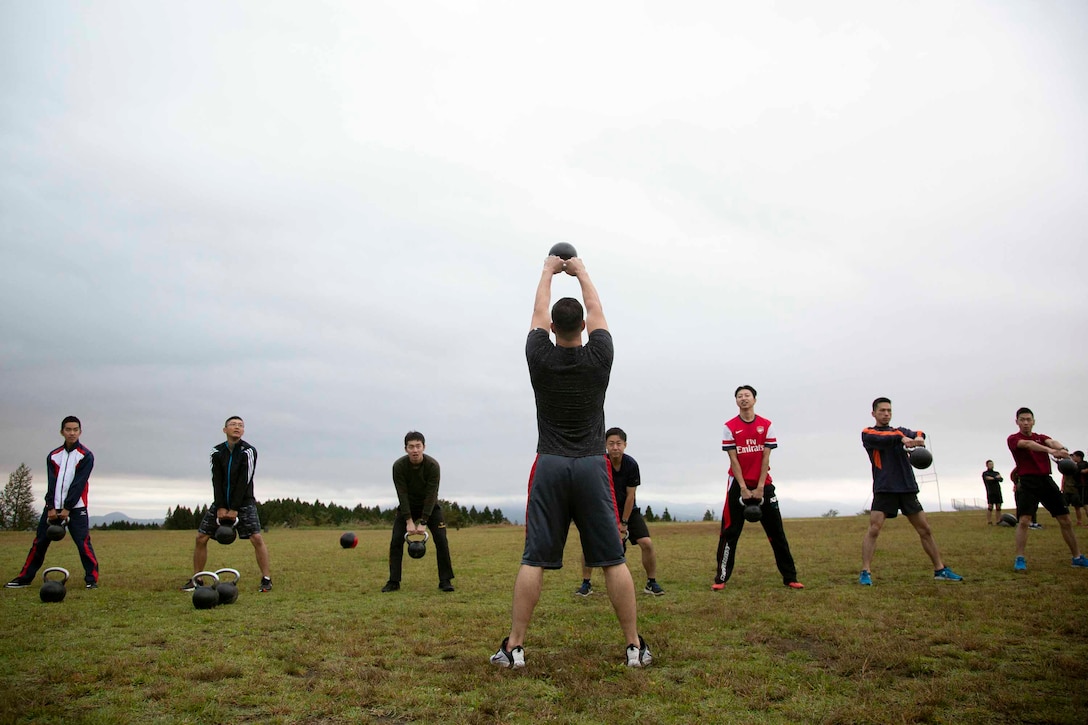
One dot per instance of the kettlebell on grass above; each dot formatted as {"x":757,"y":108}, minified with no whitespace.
{"x":204,"y":596}
{"x":53,"y":590}
{"x":227,"y":591}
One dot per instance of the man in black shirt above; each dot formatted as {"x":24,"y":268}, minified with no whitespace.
{"x":416,"y":477}
{"x":992,"y":480}
{"x":569,"y":480}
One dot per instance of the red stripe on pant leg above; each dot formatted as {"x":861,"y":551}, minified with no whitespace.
{"x":529,"y":491}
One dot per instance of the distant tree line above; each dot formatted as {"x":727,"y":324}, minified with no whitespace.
{"x":295,"y":513}
{"x":124,"y":525}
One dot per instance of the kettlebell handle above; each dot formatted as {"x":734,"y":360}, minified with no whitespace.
{"x":237,"y":576}
{"x":233,"y":525}
{"x":55,"y":568}
{"x":199,"y":574}
{"x":426,"y":536}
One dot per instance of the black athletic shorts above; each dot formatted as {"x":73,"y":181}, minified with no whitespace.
{"x":890,"y":504}
{"x":562,"y":490}
{"x":1074,"y":498}
{"x":993,"y":494}
{"x":1035,"y":490}
{"x":636,"y":527}
{"x":248,"y":523}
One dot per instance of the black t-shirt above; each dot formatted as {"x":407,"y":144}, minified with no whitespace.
{"x":627,"y":477}
{"x":569,"y":384}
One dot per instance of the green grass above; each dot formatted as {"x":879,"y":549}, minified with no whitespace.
{"x":327,"y":647}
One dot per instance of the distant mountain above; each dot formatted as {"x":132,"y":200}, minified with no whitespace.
{"x":118,"y":516}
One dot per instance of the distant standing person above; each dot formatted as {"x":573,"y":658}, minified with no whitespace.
{"x":991,"y":479}
{"x":416,"y":477}
{"x":625,"y":482}
{"x":1032,"y":452}
{"x":569,"y":479}
{"x":749,"y":440}
{"x":1073,"y":487}
{"x":895,"y":489}
{"x":69,"y":471}
{"x":233,"y":464}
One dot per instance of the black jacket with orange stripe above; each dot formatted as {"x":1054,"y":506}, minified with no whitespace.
{"x":892,"y":472}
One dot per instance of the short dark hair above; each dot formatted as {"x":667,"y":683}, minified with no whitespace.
{"x":988,"y":460}
{"x":878,"y":401}
{"x":1021,"y":411}
{"x":567,"y":316}
{"x":233,"y":417}
{"x":1079,"y":453}
{"x":70,"y":419}
{"x":746,"y":387}
{"x":615,"y":432}
{"x":414,"y":435}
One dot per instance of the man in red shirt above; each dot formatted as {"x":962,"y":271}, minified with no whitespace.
{"x":1032,"y":452}
{"x":749,"y":440}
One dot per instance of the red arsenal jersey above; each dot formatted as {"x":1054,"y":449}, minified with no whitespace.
{"x":749,"y":440}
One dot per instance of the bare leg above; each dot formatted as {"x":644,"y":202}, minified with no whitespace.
{"x":527,"y":586}
{"x":200,"y":553}
{"x":929,"y":544}
{"x":1066,"y":525}
{"x":261,"y":550}
{"x":1022,"y":534}
{"x":868,"y":542}
{"x":621,"y":592}
{"x":649,"y":557}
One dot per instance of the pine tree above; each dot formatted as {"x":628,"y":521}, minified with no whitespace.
{"x":708,"y":515}
{"x":17,"y":501}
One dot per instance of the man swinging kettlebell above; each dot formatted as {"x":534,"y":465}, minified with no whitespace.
{"x":416,"y":477}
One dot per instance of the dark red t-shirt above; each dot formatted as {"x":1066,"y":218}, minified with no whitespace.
{"x":1029,"y":462}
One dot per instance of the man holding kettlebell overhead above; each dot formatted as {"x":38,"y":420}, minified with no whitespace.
{"x":233,"y":464}
{"x":749,"y":440}
{"x":416,"y":477}
{"x":69,"y":470}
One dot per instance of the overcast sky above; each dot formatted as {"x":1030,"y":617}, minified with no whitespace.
{"x":330,"y":219}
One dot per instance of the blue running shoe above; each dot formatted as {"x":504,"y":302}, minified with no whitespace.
{"x":1081,"y":562}
{"x":947,"y":575}
{"x":865,"y":579}
{"x":1021,"y":564}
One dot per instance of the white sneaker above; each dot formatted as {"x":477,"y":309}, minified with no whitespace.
{"x":508,"y":658}
{"x":639,"y":656}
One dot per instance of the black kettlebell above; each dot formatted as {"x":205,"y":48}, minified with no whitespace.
{"x":53,"y":589}
{"x":227,"y":591}
{"x":1067,"y":466}
{"x":920,"y":457}
{"x":417,"y":548}
{"x":752,"y":510}
{"x":349,"y":540}
{"x":204,"y":596}
{"x":226,"y":533}
{"x":55,"y":530}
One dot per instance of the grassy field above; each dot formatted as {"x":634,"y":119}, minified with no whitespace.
{"x":326,"y":647}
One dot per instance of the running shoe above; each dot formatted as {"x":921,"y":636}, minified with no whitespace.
{"x":445,"y":585}
{"x":266,"y":584}
{"x":585,"y":590}
{"x":390,"y":586}
{"x":717,"y":586}
{"x":639,"y":655}
{"x":1021,"y":564}
{"x":1035,"y":526}
{"x":652,"y":587}
{"x":795,"y":585}
{"x":947,"y":575}
{"x":508,"y":658}
{"x":190,"y":585}
{"x":16,"y":583}
{"x":1081,"y":562}
{"x":865,"y":578}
